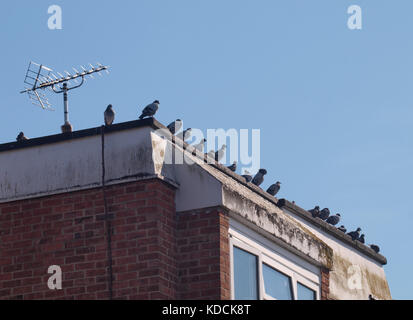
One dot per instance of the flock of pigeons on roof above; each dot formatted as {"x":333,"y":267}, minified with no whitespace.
{"x":335,"y":220}
{"x":258,"y":179}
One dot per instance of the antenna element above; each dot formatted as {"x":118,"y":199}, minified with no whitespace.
{"x":39,"y":78}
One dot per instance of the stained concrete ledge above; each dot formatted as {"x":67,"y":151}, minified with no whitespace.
{"x":283,"y":203}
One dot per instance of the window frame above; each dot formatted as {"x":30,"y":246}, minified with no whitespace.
{"x":253,"y":243}
{"x":249,"y":250}
{"x":281,"y":269}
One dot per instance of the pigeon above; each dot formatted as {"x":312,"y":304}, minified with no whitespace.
{"x":342,"y":229}
{"x":233,"y":167}
{"x":175,"y":126}
{"x":219,"y":155}
{"x":21,"y":137}
{"x":259,"y":177}
{"x":211,"y":154}
{"x":334,"y":220}
{"x":315,"y":212}
{"x":109,"y":115}
{"x":355,"y":234}
{"x":184,"y":135}
{"x":150,"y":110}
{"x":274,"y":189}
{"x":247,"y":176}
{"x":324,"y":214}
{"x":362,"y":239}
{"x":199,"y":148}
{"x":376,"y":248}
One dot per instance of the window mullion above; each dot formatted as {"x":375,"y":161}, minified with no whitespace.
{"x":260,"y":278}
{"x":294,"y":286}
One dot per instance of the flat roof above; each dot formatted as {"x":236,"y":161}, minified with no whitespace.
{"x":153,"y":123}
{"x":149,"y":122}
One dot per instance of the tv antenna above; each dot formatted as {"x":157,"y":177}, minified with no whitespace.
{"x":39,"y":78}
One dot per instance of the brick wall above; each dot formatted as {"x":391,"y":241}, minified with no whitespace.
{"x":325,"y":284}
{"x":156,"y":253}
{"x":69,"y":230}
{"x":203,"y":255}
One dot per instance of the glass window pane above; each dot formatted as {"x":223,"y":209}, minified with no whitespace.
{"x":305,"y":293}
{"x":277,"y":284}
{"x":245,"y":275}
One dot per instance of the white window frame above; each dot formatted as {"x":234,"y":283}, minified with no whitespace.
{"x":274,"y":256}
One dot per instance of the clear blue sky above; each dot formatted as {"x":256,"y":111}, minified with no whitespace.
{"x":335,"y":106}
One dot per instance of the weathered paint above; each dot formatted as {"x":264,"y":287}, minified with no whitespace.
{"x":75,"y":164}
{"x":206,"y":185}
{"x":347,"y":263}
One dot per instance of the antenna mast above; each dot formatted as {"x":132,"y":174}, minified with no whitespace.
{"x":40,"y":77}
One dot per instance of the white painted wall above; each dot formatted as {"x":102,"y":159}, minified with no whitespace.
{"x":350,"y":265}
{"x":49,"y":168}
{"x":74,"y":165}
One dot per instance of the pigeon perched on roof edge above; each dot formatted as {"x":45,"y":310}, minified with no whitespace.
{"x":21,"y":137}
{"x":233,"y":167}
{"x":342,"y":229}
{"x":109,"y":115}
{"x":375,"y":247}
{"x":219,"y":155}
{"x":334,"y":220}
{"x":175,"y":126}
{"x":150,"y":110}
{"x":324,"y":214}
{"x":274,"y":189}
{"x":315,"y":212}
{"x":355,"y":234}
{"x":199,"y":148}
{"x":259,"y":177}
{"x":247,"y":176}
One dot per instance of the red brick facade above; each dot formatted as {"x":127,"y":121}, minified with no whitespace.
{"x":156,"y":254}
{"x":203,"y":255}
{"x":325,"y":284}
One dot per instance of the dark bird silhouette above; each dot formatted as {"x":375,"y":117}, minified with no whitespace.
{"x":362,"y":239}
{"x":150,"y":110}
{"x":199,"y":148}
{"x":247,"y":176}
{"x":324,"y":214}
{"x":334,"y":220}
{"x":109,"y":115}
{"x":342,"y":229}
{"x":184,"y":135}
{"x":220,"y":153}
{"x":175,"y":126}
{"x":233,"y":167}
{"x":315,"y":212}
{"x":274,"y":189}
{"x":355,"y":234}
{"x":259,"y":177}
{"x":375,"y":247}
{"x":21,"y":137}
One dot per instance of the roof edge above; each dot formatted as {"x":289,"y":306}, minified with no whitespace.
{"x":149,"y":122}
{"x":283,"y":203}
